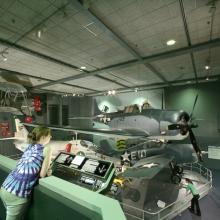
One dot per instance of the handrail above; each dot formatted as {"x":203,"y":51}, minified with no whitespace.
{"x":205,"y":172}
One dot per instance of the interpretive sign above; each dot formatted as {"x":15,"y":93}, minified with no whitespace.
{"x":214,"y":152}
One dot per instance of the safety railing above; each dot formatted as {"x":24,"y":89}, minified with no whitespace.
{"x":176,"y":207}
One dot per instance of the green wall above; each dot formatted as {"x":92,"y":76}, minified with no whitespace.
{"x":206,"y":113}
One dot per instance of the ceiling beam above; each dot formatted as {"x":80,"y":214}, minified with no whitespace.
{"x":188,"y":81}
{"x":41,"y":78}
{"x":107,"y":30}
{"x":35,"y":53}
{"x":51,"y":59}
{"x":183,"y":15}
{"x":113,"y":81}
{"x":148,"y":59}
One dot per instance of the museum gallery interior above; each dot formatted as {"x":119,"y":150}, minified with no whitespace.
{"x":109,"y":109}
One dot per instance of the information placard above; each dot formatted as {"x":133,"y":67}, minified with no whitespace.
{"x":214,"y":152}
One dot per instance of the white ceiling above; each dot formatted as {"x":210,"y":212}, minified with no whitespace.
{"x":71,"y":37}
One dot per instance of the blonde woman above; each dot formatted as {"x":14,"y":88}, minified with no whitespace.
{"x":34,"y":164}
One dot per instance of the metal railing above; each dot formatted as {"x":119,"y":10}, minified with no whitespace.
{"x":176,"y":207}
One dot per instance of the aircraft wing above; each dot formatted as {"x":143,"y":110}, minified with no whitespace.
{"x":10,"y":138}
{"x":148,"y":167}
{"x":112,"y":133}
{"x":177,"y":137}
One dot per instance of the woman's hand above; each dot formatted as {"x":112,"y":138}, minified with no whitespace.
{"x":46,"y":163}
{"x":49,"y":172}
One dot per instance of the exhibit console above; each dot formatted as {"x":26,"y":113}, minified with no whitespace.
{"x":55,"y":198}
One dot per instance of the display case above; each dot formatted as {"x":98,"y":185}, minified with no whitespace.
{"x":89,"y":173}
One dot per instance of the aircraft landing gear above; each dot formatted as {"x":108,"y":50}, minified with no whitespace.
{"x":176,"y":174}
{"x":178,"y":169}
{"x":175,"y":178}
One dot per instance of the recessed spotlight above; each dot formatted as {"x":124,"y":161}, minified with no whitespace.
{"x":136,"y":89}
{"x":207,"y":79}
{"x":207,"y":67}
{"x":82,"y":67}
{"x":171,"y":42}
{"x":5,"y":59}
{"x":109,"y":92}
{"x":113,"y":92}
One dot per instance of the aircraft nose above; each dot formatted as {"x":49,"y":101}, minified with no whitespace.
{"x":184,"y":117}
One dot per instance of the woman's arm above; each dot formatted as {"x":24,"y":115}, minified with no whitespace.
{"x":46,"y":162}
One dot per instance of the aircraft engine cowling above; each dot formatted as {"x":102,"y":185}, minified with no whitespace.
{"x":182,"y":123}
{"x":185,"y":125}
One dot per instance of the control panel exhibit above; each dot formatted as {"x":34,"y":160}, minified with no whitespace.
{"x":87,"y":172}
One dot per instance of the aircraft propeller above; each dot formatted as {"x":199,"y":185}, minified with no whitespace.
{"x":185,"y":125}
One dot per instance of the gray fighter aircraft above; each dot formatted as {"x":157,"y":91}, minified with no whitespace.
{"x":132,"y":126}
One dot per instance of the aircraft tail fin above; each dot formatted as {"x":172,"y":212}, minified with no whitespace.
{"x":21,"y":132}
{"x":21,"y":136}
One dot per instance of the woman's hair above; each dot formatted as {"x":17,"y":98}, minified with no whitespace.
{"x":188,"y":180}
{"x":38,"y":132}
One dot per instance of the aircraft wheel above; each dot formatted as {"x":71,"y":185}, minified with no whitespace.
{"x":176,"y":179}
{"x":134,"y":195}
{"x":179,"y":169}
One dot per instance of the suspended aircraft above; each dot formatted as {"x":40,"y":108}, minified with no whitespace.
{"x":153,"y":124}
{"x":14,"y":96}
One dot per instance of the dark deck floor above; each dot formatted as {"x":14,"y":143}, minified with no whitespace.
{"x":210,"y":204}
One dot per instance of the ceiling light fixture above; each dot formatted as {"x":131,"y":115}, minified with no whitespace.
{"x":111,"y":92}
{"x":171,"y":42}
{"x":207,"y":78}
{"x":82,"y":67}
{"x":136,"y":89}
{"x":39,"y":32}
{"x":207,"y":67}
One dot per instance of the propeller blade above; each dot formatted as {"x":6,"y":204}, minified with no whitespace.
{"x":195,"y":144}
{"x":193,"y":106}
{"x":174,"y":126}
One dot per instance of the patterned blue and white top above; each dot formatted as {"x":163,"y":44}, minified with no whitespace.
{"x":21,"y":180}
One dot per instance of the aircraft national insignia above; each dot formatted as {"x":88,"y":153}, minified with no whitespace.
{"x":120,"y":144}
{"x":150,"y":165}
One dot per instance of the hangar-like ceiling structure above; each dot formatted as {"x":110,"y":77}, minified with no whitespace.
{"x":91,"y":46}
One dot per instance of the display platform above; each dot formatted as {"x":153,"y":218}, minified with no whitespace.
{"x":158,"y":198}
{"x":76,"y":191}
